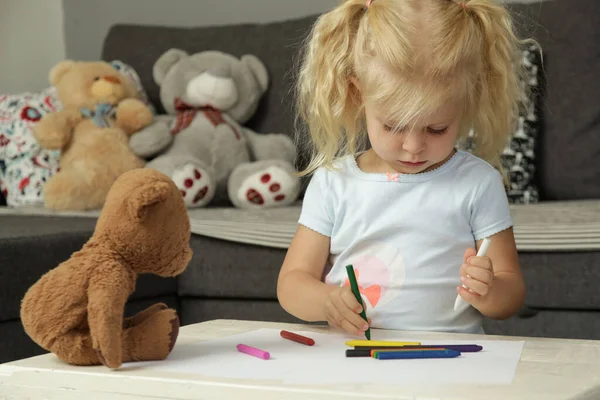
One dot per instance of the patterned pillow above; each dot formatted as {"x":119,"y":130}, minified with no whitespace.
{"x":518,"y":157}
{"x":24,"y":165}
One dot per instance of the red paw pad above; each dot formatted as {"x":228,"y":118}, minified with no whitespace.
{"x":280,"y":197}
{"x":201,"y":194}
{"x":265,"y":178}
{"x":197,"y":174}
{"x":183,"y":193}
{"x":254,"y":197}
{"x":275,"y":187}
{"x":188,"y":183}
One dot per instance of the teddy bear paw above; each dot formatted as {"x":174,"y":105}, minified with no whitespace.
{"x":270,"y":187}
{"x":195,"y":184}
{"x":154,"y":338}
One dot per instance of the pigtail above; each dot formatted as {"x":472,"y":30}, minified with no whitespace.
{"x":500,"y":93}
{"x":327,"y":107}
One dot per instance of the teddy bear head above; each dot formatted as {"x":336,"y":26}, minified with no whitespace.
{"x":145,"y":221}
{"x":211,"y":79}
{"x":85,"y":84}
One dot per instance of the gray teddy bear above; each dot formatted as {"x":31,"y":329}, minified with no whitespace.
{"x":201,"y":143}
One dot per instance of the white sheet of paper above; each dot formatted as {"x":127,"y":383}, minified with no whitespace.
{"x":326,"y":362}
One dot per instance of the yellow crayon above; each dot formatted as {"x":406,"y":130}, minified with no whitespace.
{"x":379,"y":343}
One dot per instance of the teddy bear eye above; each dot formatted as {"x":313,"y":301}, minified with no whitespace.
{"x":97,"y":78}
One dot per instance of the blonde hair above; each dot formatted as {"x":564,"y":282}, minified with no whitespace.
{"x":408,"y":67}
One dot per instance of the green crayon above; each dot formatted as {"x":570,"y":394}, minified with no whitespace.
{"x":354,"y":287}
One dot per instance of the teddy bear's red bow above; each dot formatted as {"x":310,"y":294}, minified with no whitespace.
{"x":186,"y":114}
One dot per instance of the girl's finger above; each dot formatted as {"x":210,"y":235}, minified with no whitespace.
{"x":348,"y":297}
{"x":332,"y":323}
{"x":481,"y":262}
{"x":350,"y":328}
{"x":350,"y":314}
{"x":336,"y":319}
{"x":476,"y":286}
{"x":466,"y":295}
{"x":332,"y":315}
{"x":479,"y":274}
{"x":353,"y":318}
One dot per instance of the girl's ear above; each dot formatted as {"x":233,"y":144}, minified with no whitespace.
{"x":355,"y":90}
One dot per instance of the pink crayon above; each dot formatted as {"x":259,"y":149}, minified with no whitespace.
{"x":253,"y":351}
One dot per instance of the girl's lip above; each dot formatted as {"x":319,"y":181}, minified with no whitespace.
{"x":413,"y":164}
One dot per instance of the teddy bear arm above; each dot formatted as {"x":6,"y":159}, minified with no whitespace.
{"x":273,"y":146}
{"x":108,"y":291}
{"x":54,"y":130}
{"x":131,"y":115}
{"x":153,"y":139}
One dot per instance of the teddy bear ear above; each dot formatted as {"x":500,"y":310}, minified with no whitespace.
{"x":59,"y":70}
{"x":258,"y":69}
{"x":145,"y":196}
{"x":165,"y":62}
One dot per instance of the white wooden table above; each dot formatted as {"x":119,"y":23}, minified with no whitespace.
{"x":549,"y":369}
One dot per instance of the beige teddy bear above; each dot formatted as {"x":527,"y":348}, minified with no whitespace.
{"x":101,"y":109}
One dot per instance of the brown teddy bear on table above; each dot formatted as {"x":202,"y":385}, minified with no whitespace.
{"x":76,"y":309}
{"x":101,"y":109}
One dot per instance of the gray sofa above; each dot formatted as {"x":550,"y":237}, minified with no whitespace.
{"x":228,"y":279}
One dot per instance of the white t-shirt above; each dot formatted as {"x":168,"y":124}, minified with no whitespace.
{"x":406,"y":234}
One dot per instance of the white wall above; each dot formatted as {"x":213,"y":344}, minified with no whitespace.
{"x":31,"y":42}
{"x":87,"y":22}
{"x":32,"y":37}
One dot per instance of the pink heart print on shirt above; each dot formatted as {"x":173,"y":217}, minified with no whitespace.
{"x":373,"y":276}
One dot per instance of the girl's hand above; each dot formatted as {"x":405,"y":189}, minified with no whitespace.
{"x":342,"y":311}
{"x":477,"y":274}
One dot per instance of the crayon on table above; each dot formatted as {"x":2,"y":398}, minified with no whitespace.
{"x":380,"y":343}
{"x":402,"y":355}
{"x":375,"y":352}
{"x":356,"y":292}
{"x":253,"y":351}
{"x":354,"y":353}
{"x":297,"y":338}
{"x":463,"y":348}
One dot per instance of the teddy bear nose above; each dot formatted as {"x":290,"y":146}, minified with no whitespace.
{"x":112,"y":79}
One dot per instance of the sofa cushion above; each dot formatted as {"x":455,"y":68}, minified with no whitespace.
{"x":565,"y":324}
{"x":32,"y":245}
{"x":231,"y":270}
{"x":562,"y":280}
{"x":195,"y":310}
{"x":276,"y":44}
{"x":567,"y":30}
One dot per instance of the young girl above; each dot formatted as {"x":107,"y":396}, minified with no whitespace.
{"x":387,"y":88}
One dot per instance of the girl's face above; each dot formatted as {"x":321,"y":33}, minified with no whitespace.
{"x":417,"y":148}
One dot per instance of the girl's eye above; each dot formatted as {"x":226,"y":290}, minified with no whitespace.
{"x":392,"y":129}
{"x":438,"y":131}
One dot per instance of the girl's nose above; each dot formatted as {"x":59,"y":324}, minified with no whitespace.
{"x":413,"y":142}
